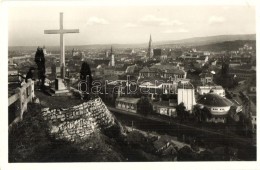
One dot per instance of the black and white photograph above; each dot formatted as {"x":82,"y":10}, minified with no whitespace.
{"x":131,"y":82}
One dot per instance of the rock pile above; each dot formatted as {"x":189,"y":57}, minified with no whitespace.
{"x":79,"y":122}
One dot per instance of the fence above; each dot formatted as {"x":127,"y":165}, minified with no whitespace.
{"x":23,"y":95}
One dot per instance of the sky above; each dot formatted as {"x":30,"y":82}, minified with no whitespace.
{"x":126,"y":24}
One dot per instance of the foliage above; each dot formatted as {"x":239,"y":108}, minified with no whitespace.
{"x":86,"y":77}
{"x":245,"y":125}
{"x":201,"y":114}
{"x":135,"y":138}
{"x":181,"y":111}
{"x":40,"y":61}
{"x":224,"y":78}
{"x":144,"y":106}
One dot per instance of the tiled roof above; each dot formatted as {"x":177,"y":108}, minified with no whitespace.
{"x":131,"y":69}
{"x":203,"y":57}
{"x":175,"y":71}
{"x":162,"y":104}
{"x":187,"y":85}
{"x":145,"y":70}
{"x":205,"y":74}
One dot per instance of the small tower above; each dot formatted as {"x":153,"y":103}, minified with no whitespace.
{"x":150,"y":50}
{"x":112,"y":59}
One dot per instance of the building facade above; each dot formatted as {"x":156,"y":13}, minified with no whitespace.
{"x":186,"y":94}
{"x":127,"y":104}
{"x":207,"y":89}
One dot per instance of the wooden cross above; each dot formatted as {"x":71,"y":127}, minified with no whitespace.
{"x":62,"y":31}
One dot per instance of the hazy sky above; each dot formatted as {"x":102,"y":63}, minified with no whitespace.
{"x":122,"y":24}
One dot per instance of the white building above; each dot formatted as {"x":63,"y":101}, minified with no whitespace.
{"x":113,"y":60}
{"x":215,"y":89}
{"x":186,"y":94}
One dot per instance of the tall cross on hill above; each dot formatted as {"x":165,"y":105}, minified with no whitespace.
{"x":62,"y":31}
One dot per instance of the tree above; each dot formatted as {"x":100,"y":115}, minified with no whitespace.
{"x":205,"y":114}
{"x":245,"y":124}
{"x":202,"y":114}
{"x":224,"y":78}
{"x":40,"y":61}
{"x":197,"y":112}
{"x":181,"y":111}
{"x":86,"y":78}
{"x":144,"y":106}
{"x":135,"y":138}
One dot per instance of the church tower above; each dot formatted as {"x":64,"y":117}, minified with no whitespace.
{"x":112,"y":59}
{"x":150,"y":50}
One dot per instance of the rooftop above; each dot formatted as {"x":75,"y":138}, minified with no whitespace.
{"x":211,"y":87}
{"x":128,"y":100}
{"x":212,"y":99}
{"x":185,"y":85}
{"x":174,"y":71}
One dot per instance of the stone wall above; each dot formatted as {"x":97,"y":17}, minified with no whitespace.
{"x":79,"y":122}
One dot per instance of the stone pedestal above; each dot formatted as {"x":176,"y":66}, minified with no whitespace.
{"x":60,"y":87}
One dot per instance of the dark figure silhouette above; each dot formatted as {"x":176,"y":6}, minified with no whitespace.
{"x":40,"y":61}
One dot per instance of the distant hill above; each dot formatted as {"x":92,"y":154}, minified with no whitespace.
{"x":196,"y":41}
{"x":227,"y":45}
{"x":209,"y":40}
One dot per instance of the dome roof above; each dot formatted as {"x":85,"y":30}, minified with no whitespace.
{"x":212,"y":99}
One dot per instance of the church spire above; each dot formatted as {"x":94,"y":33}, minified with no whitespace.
{"x":149,"y":53}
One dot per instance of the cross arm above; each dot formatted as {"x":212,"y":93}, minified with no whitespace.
{"x":70,"y":31}
{"x":52,"y":31}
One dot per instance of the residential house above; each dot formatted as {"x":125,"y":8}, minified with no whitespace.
{"x":214,"y":89}
{"x":165,"y":71}
{"x":162,"y":143}
{"x":164,"y":108}
{"x":202,"y":60}
{"x":242,"y":73}
{"x":157,"y":86}
{"x":131,"y":69}
{"x":120,"y":71}
{"x":127,"y":104}
{"x":12,"y":70}
{"x":206,"y":78}
{"x":109,"y":71}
